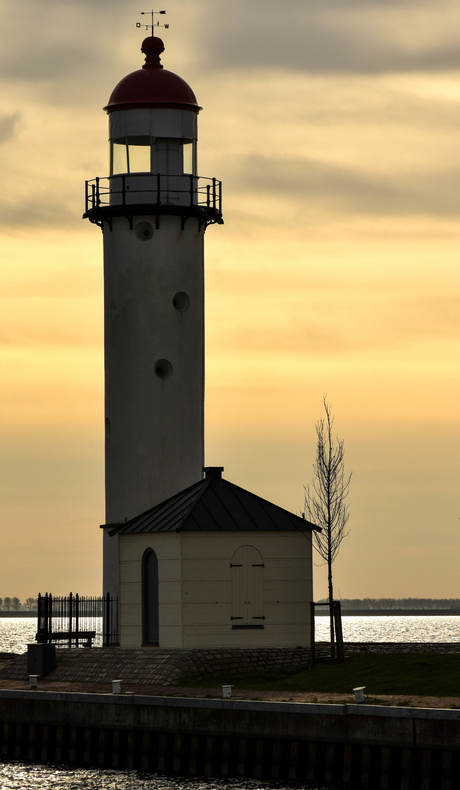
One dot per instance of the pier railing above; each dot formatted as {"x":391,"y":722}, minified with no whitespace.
{"x":156,"y":189}
{"x":77,"y":621}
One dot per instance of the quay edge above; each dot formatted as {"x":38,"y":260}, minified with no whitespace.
{"x":372,"y":747}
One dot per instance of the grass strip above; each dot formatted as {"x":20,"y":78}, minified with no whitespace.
{"x":421,"y":674}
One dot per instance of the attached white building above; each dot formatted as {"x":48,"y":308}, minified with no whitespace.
{"x":215,"y":566}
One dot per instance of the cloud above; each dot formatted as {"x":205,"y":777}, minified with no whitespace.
{"x":306,"y":181}
{"x":69,"y":51}
{"x":81,"y":45}
{"x":321,"y":36}
{"x":8,"y":125}
{"x":41,"y":210}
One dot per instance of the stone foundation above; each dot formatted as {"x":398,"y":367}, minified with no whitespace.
{"x":153,"y":666}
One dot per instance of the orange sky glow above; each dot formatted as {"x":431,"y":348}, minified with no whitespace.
{"x":335,"y":134}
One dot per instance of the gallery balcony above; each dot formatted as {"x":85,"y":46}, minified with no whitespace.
{"x":154,"y":194}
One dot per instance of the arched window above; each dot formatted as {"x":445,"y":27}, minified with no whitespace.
{"x":247,"y":588}
{"x":150,"y":616}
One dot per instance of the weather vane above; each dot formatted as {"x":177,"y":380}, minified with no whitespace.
{"x":153,"y":24}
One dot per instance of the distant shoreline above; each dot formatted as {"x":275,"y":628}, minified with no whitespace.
{"x":324,"y":611}
{"x":20,"y":613}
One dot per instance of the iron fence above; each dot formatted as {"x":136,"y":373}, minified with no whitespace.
{"x":77,"y":621}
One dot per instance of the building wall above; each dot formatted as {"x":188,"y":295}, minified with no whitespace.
{"x":168,"y":550}
{"x":207,"y":589}
{"x":154,"y":425}
{"x":154,"y":442}
{"x":195,"y":588}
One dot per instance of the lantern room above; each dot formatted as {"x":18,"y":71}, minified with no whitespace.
{"x":153,"y":120}
{"x":153,"y":146}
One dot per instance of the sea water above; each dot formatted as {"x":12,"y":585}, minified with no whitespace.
{"x":394,"y":628}
{"x":17,"y":632}
{"x":22,"y":776}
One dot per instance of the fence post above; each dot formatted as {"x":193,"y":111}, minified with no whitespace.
{"x":339,"y":632}
{"x":77,"y":600}
{"x":49,"y":617}
{"x":70,"y":618}
{"x":41,"y":619}
{"x":312,"y":634}
{"x":107,"y":620}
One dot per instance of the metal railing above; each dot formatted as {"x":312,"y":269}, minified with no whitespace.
{"x":183,"y":191}
{"x":78,"y":620}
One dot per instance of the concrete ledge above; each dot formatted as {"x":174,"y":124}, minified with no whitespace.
{"x":438,"y":714}
{"x":362,"y":724}
{"x":366,"y":746}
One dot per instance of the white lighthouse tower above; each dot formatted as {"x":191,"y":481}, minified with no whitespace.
{"x":153,"y":210}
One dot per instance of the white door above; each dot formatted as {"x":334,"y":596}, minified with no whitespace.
{"x":247,"y":588}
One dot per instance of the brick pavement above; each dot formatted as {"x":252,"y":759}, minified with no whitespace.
{"x":155,"y":666}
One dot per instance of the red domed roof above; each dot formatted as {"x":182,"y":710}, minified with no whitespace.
{"x":152,"y":85}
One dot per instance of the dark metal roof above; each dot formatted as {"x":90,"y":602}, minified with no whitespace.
{"x":152,"y":85}
{"x":214,"y":505}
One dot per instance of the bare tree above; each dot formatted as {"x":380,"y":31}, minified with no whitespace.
{"x":325,"y":500}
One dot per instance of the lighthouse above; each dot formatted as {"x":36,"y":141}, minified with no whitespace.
{"x":153,"y":209}
{"x":194,"y":561}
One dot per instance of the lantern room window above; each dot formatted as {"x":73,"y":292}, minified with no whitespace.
{"x":131,"y":155}
{"x":119,"y":162}
{"x":139,"y":154}
{"x":189,"y":156}
{"x":152,"y":155}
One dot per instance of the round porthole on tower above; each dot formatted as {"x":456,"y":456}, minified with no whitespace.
{"x":163,"y":369}
{"x":144,"y":231}
{"x":181,"y":301}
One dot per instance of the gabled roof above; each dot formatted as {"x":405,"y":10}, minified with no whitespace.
{"x":214,"y":505}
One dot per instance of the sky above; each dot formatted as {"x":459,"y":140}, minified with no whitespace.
{"x":335,"y":130}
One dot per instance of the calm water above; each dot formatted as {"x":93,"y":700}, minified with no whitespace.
{"x":394,"y":629}
{"x":16,"y":634}
{"x":36,"y":777}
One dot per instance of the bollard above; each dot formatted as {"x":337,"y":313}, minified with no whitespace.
{"x":359,"y":693}
{"x":41,"y":659}
{"x":116,"y":686}
{"x":227,"y":692}
{"x":33,"y":681}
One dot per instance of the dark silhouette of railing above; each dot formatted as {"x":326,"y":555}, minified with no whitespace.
{"x":182,"y":191}
{"x":78,"y":620}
